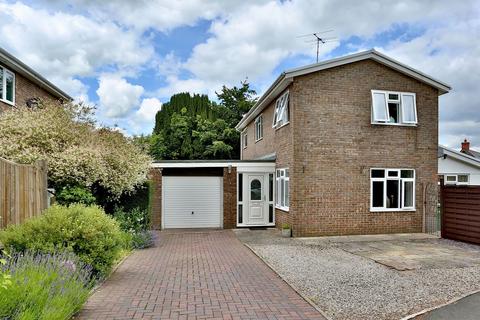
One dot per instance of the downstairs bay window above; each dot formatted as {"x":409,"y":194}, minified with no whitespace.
{"x":392,"y":189}
{"x":282,"y":185}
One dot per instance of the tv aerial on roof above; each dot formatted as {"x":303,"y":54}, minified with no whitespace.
{"x":319,"y":38}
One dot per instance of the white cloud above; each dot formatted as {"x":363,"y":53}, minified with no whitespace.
{"x":63,"y":46}
{"x":143,"y":120}
{"x":117,"y":96}
{"x":148,"y":109}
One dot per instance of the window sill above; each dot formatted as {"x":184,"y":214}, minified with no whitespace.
{"x":392,"y":210}
{"x":259,"y":140}
{"x":283,"y":125}
{"x":8,"y":102}
{"x":395,"y":124}
{"x":286,"y":209}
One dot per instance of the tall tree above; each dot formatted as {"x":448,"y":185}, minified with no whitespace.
{"x":193,"y":127}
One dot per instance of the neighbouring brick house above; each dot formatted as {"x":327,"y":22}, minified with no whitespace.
{"x":20,"y":85}
{"x":344,"y":146}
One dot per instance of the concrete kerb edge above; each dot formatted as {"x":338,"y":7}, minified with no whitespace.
{"x":412,"y":316}
{"x":307,"y":299}
{"x":99,"y":284}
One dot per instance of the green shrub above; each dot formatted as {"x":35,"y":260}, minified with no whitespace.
{"x":5,"y":277}
{"x":286,"y":226}
{"x":135,"y":223}
{"x":132,"y":221}
{"x":142,"y":240}
{"x":74,"y":194}
{"x":45,"y":286}
{"x":87,"y":231}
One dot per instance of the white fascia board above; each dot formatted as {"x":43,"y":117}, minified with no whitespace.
{"x":461,"y":156}
{"x":189,"y":164}
{"x":18,"y":66}
{"x":287,"y":77}
{"x":376,"y":56}
{"x":278,"y":87}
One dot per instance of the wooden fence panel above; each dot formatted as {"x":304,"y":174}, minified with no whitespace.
{"x":461,"y":213}
{"x":23,"y":191}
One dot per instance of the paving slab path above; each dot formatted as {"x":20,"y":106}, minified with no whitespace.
{"x":196,"y":275}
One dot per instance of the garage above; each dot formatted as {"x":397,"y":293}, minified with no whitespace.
{"x":192,"y":202}
{"x":204,"y":193}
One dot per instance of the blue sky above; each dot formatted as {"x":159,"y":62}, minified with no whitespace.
{"x":128,"y":57}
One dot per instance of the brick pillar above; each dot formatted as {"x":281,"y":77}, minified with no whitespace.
{"x":155,"y":175}
{"x":229,"y":198}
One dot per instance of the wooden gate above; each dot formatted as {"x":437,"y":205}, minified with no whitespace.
{"x":461,"y":213}
{"x":23,"y":191}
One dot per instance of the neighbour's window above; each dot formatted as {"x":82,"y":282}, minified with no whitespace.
{"x":259,"y":128}
{"x":244,"y":139}
{"x":393,"y":107}
{"x":7,"y":86}
{"x":392,"y":189}
{"x":456,"y":179}
{"x":281,"y":115}
{"x":282,"y":199}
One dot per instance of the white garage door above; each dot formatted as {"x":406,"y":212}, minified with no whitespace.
{"x":192,"y":202}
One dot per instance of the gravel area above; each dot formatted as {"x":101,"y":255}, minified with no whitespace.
{"x":348,"y":286}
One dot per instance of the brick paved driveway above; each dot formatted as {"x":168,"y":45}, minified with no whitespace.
{"x":196,"y":275}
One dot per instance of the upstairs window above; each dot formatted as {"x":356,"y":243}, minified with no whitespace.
{"x":244,"y":139}
{"x":259,"y":128}
{"x":281,"y":115}
{"x":7,"y":86}
{"x":392,"y":189}
{"x":393,"y":107}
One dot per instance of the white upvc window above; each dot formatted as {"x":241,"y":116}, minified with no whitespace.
{"x":244,"y":139}
{"x":282,"y":112}
{"x":7,"y":86}
{"x":390,"y":107}
{"x":259,"y":128}
{"x":282,"y":185}
{"x":392,"y":189}
{"x":456,"y":179}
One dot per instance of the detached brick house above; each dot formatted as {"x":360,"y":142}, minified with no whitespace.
{"x":344,"y":146}
{"x":20,"y":85}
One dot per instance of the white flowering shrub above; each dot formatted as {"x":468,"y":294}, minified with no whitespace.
{"x":76,"y":150}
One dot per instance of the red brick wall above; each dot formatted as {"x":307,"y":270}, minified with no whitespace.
{"x":155,"y":175}
{"x":278,"y":141}
{"x":229,"y":198}
{"x":335,"y":145}
{"x":25,"y":90}
{"x":330,"y":146}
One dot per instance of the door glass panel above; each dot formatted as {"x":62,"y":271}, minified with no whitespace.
{"x":255,"y":190}
{"x":392,"y":193}
{"x":240,"y":187}
{"x":270,"y":187}
{"x":270,"y":213}
{"x":240,"y":213}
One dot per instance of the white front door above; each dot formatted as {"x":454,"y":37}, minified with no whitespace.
{"x":257,"y":213}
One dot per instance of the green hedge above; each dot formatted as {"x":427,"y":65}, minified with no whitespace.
{"x":140,"y":198}
{"x":86,"y":231}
